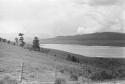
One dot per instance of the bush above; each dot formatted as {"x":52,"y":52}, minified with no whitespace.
{"x":8,"y":42}
{"x":74,"y":76}
{"x":60,"y":81}
{"x":8,"y":80}
{"x":4,"y":40}
{"x":72,"y":58}
{"x":22,"y":44}
{"x":121,"y":73}
{"x":14,"y":43}
{"x":101,"y":76}
{"x":0,"y":39}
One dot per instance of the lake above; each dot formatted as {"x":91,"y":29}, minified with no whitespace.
{"x":91,"y":51}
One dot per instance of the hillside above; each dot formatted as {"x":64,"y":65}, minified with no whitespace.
{"x":38,"y":67}
{"x":44,"y":67}
{"x":102,"y":39}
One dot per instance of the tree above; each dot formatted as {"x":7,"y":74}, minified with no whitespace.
{"x":36,"y":45}
{"x":22,"y":43}
{"x":21,"y":34}
{"x":16,"y":39}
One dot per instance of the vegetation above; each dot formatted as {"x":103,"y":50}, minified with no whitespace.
{"x":36,"y":45}
{"x":4,"y":40}
{"x":60,"y":81}
{"x":8,"y":80}
{"x":72,"y":58}
{"x":0,"y":39}
{"x":22,"y":43}
{"x":16,"y":39}
{"x":8,"y":42}
{"x":93,"y":68}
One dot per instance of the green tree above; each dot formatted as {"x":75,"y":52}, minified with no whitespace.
{"x":36,"y":45}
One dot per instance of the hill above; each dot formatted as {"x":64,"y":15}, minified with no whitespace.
{"x":45,"y":67}
{"x":37,"y":66}
{"x":100,"y":39}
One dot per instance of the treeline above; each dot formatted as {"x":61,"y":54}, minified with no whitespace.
{"x":19,"y":40}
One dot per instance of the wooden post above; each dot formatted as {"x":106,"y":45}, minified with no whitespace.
{"x":55,"y":70}
{"x":21,"y":75}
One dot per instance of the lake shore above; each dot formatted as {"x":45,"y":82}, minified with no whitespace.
{"x":96,"y":51}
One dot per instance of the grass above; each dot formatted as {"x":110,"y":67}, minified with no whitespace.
{"x":93,"y":68}
{"x":8,"y":80}
{"x":60,"y":81}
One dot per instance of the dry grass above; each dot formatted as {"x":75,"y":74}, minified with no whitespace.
{"x":8,"y":80}
{"x":60,"y":81}
{"x":37,"y":66}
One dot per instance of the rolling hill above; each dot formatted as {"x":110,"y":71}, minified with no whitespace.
{"x":100,"y":39}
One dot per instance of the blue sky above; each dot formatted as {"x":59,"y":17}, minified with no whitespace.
{"x":61,"y":17}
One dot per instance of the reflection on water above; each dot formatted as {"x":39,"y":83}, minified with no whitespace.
{"x":91,"y":51}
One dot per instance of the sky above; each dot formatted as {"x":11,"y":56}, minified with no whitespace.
{"x":61,"y":17}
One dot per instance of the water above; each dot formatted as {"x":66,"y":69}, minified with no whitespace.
{"x":91,"y":51}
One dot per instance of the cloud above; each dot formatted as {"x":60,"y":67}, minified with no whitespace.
{"x":103,"y":19}
{"x":61,"y":17}
{"x":10,"y":27}
{"x":106,"y":2}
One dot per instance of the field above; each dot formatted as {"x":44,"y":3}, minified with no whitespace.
{"x":37,"y":66}
{"x":33,"y":67}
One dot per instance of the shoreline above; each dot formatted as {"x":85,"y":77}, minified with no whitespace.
{"x":86,"y":44}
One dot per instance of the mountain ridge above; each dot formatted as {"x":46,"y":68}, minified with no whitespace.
{"x":102,"y":39}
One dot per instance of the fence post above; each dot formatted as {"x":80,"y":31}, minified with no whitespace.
{"x":21,"y":75}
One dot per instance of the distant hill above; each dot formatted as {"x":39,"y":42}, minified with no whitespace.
{"x":100,"y":39}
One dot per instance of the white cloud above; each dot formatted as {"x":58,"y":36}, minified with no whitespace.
{"x":10,"y":27}
{"x":106,"y":16}
{"x":61,"y":17}
{"x":106,"y":2}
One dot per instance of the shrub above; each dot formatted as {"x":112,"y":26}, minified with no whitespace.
{"x":4,"y":40}
{"x":74,"y":76}
{"x":121,"y":73}
{"x":22,"y":44}
{"x":101,"y":76}
{"x":0,"y":39}
{"x":60,"y":81}
{"x":14,"y":44}
{"x":72,"y":58}
{"x":8,"y":80}
{"x":8,"y":42}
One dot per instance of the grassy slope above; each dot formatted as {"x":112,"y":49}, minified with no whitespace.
{"x":114,"y":67}
{"x":36,"y":64}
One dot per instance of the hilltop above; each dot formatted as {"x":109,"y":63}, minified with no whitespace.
{"x":98,"y":39}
